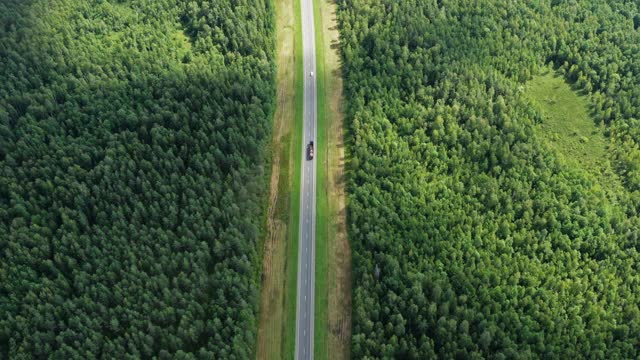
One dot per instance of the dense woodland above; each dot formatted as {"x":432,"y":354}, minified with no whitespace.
{"x":132,"y":176}
{"x":471,"y":239}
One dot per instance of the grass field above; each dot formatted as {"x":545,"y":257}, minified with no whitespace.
{"x":333,"y":260}
{"x":569,"y":130}
{"x":276,"y":328}
{"x":321,"y":304}
{"x":292,"y":251}
{"x":338,"y":284}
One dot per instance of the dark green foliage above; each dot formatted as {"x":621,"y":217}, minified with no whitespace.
{"x":132,"y":176}
{"x":470,"y":240}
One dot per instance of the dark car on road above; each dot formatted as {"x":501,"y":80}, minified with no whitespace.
{"x":310,"y":151}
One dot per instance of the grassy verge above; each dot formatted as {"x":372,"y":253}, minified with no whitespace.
{"x":321,"y":302}
{"x":276,"y":330}
{"x":289,"y":329}
{"x":338,"y":285}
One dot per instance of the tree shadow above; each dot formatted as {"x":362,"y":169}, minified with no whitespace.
{"x":15,"y":15}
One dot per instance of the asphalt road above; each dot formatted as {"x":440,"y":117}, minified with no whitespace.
{"x":307,"y":234}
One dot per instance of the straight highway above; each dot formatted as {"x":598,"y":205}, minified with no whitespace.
{"x":307,"y":232}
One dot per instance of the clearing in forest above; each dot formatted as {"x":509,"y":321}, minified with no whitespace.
{"x":568,"y":128}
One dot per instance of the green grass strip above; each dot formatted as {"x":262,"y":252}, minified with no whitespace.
{"x":292,"y":250}
{"x":321,"y":299}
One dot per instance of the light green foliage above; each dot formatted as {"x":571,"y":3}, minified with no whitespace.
{"x":570,"y":131}
{"x":470,"y":239}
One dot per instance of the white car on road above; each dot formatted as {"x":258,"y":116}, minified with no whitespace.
{"x":311,"y":74}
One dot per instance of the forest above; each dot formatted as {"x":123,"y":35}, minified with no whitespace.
{"x":471,"y":238}
{"x":133,"y":158}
